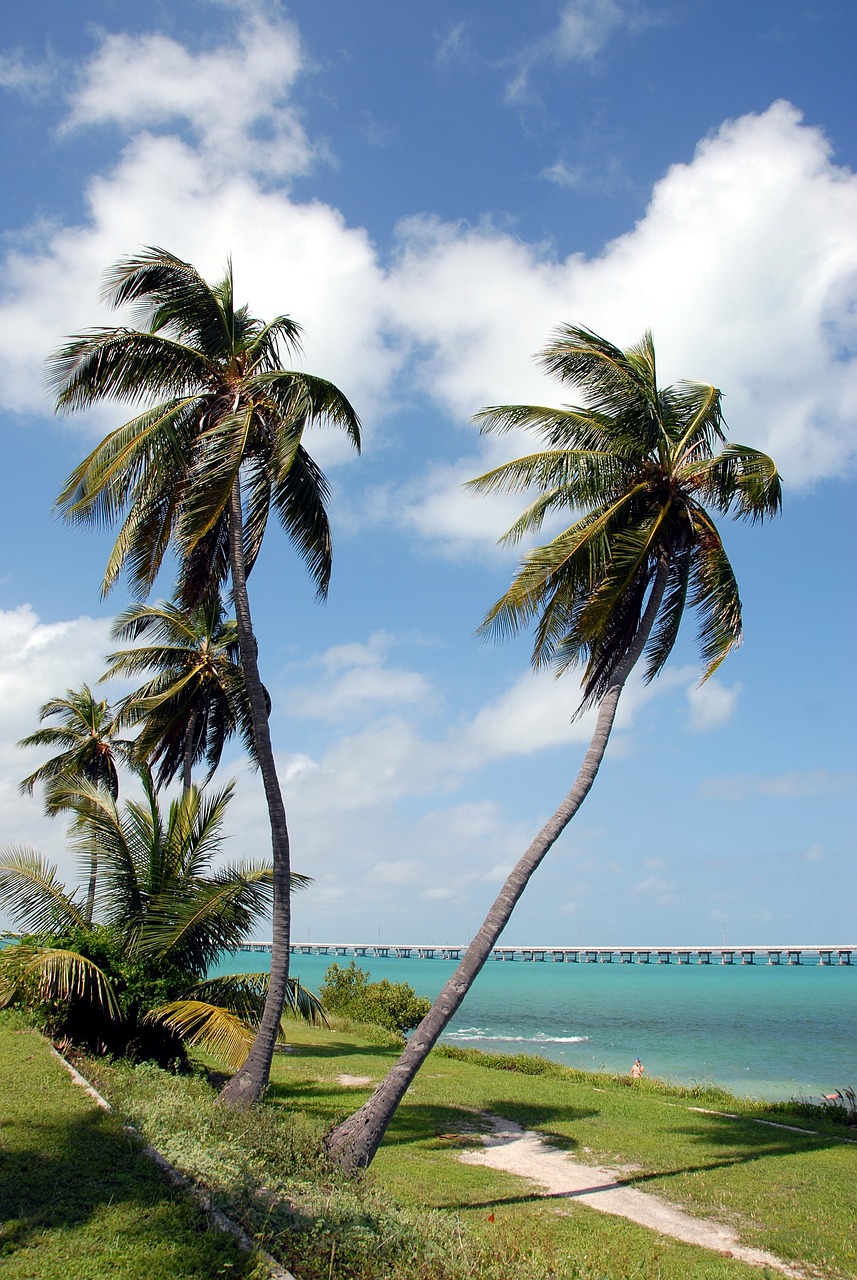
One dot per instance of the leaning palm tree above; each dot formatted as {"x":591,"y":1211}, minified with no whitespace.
{"x":86,"y":733}
{"x":198,"y":471}
{"x":196,"y":701}
{"x":639,"y":467}
{"x":136,"y":983}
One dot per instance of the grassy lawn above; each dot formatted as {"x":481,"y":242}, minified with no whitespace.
{"x":77,"y":1200}
{"x":789,"y":1193}
{"x":420,"y":1213}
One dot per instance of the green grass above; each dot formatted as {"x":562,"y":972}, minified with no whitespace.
{"x":421,"y":1214}
{"x":786,"y":1192}
{"x":77,"y":1199}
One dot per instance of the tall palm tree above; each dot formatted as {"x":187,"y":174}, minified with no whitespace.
{"x":639,"y":467}
{"x":198,"y":471}
{"x":86,"y":733}
{"x":197,"y":700}
{"x":136,"y":982}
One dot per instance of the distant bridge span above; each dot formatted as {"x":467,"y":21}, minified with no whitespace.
{"x":791,"y":954}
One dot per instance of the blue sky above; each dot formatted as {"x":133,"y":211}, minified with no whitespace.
{"x":430,"y":190}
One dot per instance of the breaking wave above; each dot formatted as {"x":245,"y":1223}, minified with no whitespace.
{"x":478,"y":1033}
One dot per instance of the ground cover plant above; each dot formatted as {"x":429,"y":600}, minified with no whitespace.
{"x":77,"y":1199}
{"x":422,"y":1213}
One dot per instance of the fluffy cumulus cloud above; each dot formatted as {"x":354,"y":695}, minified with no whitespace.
{"x":744,"y":263}
{"x":38,"y":661}
{"x":151,"y":81}
{"x":744,"y":266}
{"x":356,"y":678}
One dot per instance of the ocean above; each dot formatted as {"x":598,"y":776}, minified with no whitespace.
{"x":762,"y":1031}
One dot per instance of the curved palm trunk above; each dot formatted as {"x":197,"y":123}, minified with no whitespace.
{"x":248,"y":1085}
{"x":89,"y":907}
{"x":354,"y":1142}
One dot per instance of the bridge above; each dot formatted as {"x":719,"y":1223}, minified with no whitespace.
{"x":791,"y":954}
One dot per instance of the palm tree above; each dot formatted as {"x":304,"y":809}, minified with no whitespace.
{"x":197,"y":700}
{"x":135,"y":983}
{"x":86,"y":735}
{"x":639,"y":467}
{"x":198,"y":471}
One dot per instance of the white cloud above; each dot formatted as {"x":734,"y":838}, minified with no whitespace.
{"x":148,"y":81}
{"x":26,"y":76}
{"x":711,"y":705}
{"x":664,"y":892}
{"x":585,"y":26}
{"x":536,"y":712}
{"x":453,"y":44}
{"x":819,"y":782}
{"x":704,"y":268}
{"x":584,"y":30}
{"x":39,"y":661}
{"x":357,"y":679}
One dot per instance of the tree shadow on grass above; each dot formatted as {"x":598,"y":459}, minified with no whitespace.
{"x":68,"y":1170}
{"x":438,"y":1124}
{"x":733,"y":1143}
{"x":340,"y":1049}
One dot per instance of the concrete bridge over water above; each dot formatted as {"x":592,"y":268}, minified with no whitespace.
{"x":791,"y":954}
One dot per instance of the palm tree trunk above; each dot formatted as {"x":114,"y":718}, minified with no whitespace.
{"x":89,"y":908}
{"x":248,"y":1085}
{"x":354,"y":1142}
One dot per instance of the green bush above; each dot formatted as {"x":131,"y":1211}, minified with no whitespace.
{"x":392,"y":1005}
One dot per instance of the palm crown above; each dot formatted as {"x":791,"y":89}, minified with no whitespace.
{"x":640,"y":466}
{"x":196,"y":700}
{"x":223,"y":405}
{"x":85,"y":731}
{"x":166,"y":915}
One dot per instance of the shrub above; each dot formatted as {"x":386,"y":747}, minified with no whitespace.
{"x":392,"y":1005}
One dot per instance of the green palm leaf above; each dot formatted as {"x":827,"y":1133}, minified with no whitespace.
{"x":207,"y":1027}
{"x":34,"y":898}
{"x":55,"y":974}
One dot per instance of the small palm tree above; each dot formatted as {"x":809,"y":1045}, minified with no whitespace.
{"x":135,"y":983}
{"x":639,"y":467}
{"x":86,"y":733}
{"x":196,"y":701}
{"x":199,"y":470}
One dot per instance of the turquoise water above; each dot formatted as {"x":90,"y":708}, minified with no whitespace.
{"x":757,"y":1030}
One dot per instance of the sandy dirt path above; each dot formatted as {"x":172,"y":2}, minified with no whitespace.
{"x":515,"y":1150}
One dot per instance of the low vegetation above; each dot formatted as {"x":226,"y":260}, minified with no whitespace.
{"x":78,"y":1200}
{"x":395,"y":1006}
{"x":423,"y":1214}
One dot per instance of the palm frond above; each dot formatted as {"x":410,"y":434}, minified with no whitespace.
{"x":299,"y":497}
{"x":714,"y":593}
{"x":32,"y":894}
{"x":56,"y":974}
{"x":170,"y":293}
{"x":119,"y":364}
{"x":207,"y":1027}
{"x":742,"y":479}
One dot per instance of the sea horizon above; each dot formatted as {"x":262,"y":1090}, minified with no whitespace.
{"x":757,"y":1030}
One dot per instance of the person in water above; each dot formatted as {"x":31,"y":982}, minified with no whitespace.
{"x":638,"y":1069}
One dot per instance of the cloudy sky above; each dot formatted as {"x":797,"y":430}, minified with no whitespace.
{"x":430,"y":190}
